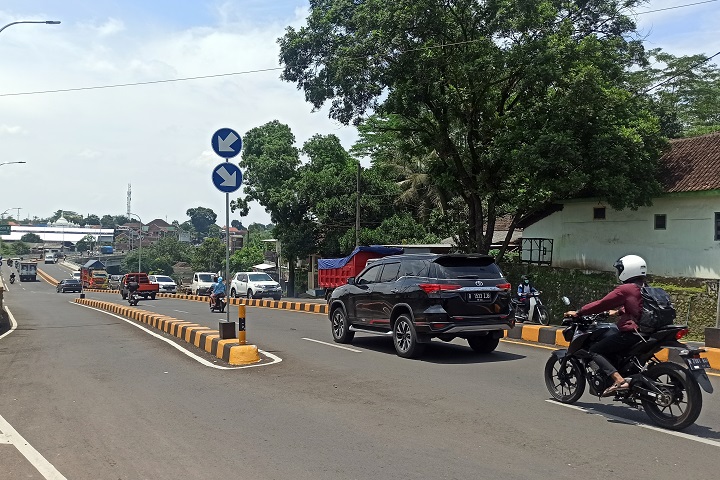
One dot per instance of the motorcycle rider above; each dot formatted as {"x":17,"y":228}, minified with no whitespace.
{"x":12,"y":277}
{"x":625,"y":301}
{"x":132,"y":285}
{"x":525,"y":288}
{"x":218,"y":290}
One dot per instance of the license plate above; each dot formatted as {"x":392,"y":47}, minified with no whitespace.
{"x":698,"y":363}
{"x":479,"y":297}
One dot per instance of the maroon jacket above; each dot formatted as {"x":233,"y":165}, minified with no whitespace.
{"x":625,"y":298}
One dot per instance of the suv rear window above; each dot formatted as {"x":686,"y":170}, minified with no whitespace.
{"x":467,"y":267}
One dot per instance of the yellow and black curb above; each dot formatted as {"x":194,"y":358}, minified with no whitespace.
{"x":552,"y":335}
{"x":202,"y":337}
{"x":281,"y":304}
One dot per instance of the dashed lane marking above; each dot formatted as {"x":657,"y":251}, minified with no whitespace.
{"x":592,"y":411}
{"x":332,"y":345}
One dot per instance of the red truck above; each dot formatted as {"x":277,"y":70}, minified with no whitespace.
{"x":145,"y":290}
{"x":333,"y":272}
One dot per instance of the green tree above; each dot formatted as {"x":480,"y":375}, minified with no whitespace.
{"x":20,"y":248}
{"x":513,"y":104}
{"x":685,"y":91}
{"x":92,"y":220}
{"x":31,"y":238}
{"x":271,"y":162}
{"x":107,"y":221}
{"x":209,"y":256}
{"x":201,"y":219}
{"x":244,"y":259}
{"x":85,"y":243}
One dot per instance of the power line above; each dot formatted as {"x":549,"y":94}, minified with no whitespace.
{"x":676,"y":6}
{"x":270,"y":69}
{"x":681,"y":72}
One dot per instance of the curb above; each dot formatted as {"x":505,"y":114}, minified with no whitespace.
{"x":202,"y":337}
{"x":552,"y":335}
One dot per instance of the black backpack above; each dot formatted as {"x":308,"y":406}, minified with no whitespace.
{"x":657,"y":309}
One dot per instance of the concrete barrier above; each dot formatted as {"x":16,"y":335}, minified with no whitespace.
{"x":230,"y":350}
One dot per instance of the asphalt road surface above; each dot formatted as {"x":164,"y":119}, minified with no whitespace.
{"x":87,"y":395}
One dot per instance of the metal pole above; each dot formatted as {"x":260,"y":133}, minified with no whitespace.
{"x":717,"y":315}
{"x":227,"y":250}
{"x":49,"y":22}
{"x":357,"y":207}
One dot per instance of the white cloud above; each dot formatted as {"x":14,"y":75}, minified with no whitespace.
{"x":111,"y":26}
{"x":12,"y":130}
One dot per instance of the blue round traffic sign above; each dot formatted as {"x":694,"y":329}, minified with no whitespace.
{"x":227,"y":177}
{"x":226,"y":142}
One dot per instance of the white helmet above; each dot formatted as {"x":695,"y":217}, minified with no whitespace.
{"x":630,"y":266}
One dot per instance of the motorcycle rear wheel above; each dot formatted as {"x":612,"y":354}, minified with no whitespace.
{"x":686,"y":397}
{"x":564,"y":380}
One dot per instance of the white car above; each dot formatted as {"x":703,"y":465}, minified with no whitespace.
{"x":76,"y":275}
{"x":254,"y":285}
{"x":165,"y":283}
{"x":202,"y":283}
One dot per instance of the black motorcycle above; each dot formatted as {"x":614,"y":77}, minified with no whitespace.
{"x":12,"y":278}
{"x":668,"y":392}
{"x":218,"y":305}
{"x":133,"y":298}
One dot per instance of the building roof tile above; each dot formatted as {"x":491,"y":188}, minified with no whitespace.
{"x":692,"y":164}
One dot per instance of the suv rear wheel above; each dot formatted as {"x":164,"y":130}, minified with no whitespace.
{"x":341,"y":327}
{"x":484,"y":344}
{"x":405,"y":338}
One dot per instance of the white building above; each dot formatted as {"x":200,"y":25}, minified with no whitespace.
{"x":679,"y":235}
{"x":59,"y":232}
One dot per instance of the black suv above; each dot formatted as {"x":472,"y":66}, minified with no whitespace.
{"x":417,"y":297}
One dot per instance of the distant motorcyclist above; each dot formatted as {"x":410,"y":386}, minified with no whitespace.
{"x":218,"y":290}
{"x":627,"y":300}
{"x":132,"y":285}
{"x":525,"y":288}
{"x":12,"y":277}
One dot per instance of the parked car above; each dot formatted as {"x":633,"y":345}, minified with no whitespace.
{"x":68,"y":285}
{"x":255,"y":285}
{"x":417,"y":297}
{"x":202,"y":283}
{"x":165,"y":283}
{"x":114,"y":282}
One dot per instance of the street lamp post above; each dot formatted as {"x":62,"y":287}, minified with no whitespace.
{"x":8,"y":163}
{"x":48,"y":22}
{"x":140,"y":239}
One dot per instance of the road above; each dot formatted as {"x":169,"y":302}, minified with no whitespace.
{"x":97,"y":398}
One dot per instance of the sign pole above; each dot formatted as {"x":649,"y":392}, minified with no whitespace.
{"x":227,"y":253}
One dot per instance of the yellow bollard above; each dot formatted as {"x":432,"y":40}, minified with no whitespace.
{"x":241,"y":324}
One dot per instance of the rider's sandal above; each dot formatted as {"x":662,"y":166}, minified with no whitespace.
{"x":615,"y":388}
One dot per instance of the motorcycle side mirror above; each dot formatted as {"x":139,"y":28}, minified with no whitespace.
{"x":566,"y":300}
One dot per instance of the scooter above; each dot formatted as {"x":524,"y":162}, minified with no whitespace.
{"x":218,"y":305}
{"x":12,"y":278}
{"x":536,"y":311}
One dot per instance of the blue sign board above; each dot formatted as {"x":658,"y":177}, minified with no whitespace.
{"x":227,"y":177}
{"x":226,"y":142}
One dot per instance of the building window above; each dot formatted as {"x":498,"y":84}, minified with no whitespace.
{"x":717,"y":225}
{"x":599,"y":213}
{"x":660,"y":221}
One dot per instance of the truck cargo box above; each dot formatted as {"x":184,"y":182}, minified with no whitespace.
{"x":333,"y":272}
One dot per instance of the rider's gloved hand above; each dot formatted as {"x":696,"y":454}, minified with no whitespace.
{"x":571,"y":313}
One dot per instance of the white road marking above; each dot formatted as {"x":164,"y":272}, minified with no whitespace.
{"x":13,"y":323}
{"x":332,"y":345}
{"x":181,"y":311}
{"x":33,"y":456}
{"x":638,"y":424}
{"x":275,"y":358}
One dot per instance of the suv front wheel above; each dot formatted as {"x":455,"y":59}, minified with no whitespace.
{"x":405,"y":338}
{"x":484,"y":344}
{"x":341,"y":327}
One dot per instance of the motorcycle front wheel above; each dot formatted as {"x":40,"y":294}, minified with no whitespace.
{"x":681,"y":401}
{"x":542,"y":315}
{"x":564,"y":379}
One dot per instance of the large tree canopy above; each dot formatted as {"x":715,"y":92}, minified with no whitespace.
{"x":201,"y":218}
{"x":509,"y":105}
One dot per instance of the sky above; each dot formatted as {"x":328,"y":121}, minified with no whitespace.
{"x":83,"y":148}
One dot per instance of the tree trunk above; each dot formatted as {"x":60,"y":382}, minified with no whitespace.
{"x":508,"y":237}
{"x":291,"y":278}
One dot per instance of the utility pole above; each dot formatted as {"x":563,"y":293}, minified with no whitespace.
{"x":357,"y":207}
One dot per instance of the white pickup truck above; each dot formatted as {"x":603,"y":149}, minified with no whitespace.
{"x":254,"y":285}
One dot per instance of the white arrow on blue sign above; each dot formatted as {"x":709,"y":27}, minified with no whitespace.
{"x":226,"y":142}
{"x":227,"y":177}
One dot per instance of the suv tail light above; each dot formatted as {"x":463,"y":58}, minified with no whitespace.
{"x":437,"y":287}
{"x":681,"y":333}
{"x":504,"y":286}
